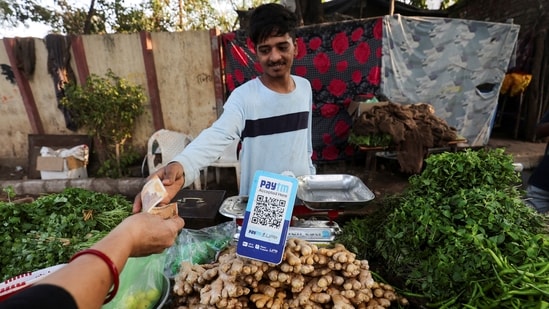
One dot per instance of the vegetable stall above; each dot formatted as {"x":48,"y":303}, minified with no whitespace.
{"x":460,"y":236}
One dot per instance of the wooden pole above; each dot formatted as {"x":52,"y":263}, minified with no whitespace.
{"x":392,"y":7}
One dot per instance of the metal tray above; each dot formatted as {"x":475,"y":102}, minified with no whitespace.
{"x":234,"y":207}
{"x":333,"y":191}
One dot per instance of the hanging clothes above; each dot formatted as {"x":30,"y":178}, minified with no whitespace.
{"x":25,"y":56}
{"x":59,"y":56}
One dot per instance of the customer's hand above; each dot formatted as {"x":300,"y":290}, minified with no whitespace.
{"x":148,"y":233}
{"x":173,"y":178}
{"x":88,"y":278}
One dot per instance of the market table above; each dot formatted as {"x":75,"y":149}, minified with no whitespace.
{"x":371,"y":151}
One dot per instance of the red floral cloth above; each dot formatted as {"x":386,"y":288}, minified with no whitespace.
{"x":341,"y":60}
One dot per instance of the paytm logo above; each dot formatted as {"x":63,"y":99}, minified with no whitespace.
{"x":274,"y":186}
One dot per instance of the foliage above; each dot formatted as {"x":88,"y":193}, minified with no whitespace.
{"x":12,"y":12}
{"x":461,"y":235}
{"x":109,"y":168}
{"x":108,"y":108}
{"x":65,"y":18}
{"x":198,"y":14}
{"x":115,"y":16}
{"x":151,"y":16}
{"x":9,"y":192}
{"x":51,"y":229}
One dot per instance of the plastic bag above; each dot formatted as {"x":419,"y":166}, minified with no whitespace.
{"x":141,"y":283}
{"x":198,"y":246}
{"x":80,"y":152}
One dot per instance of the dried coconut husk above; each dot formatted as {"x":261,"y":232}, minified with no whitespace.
{"x":414,"y":128}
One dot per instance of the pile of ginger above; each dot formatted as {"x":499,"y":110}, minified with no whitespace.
{"x":308,"y":277}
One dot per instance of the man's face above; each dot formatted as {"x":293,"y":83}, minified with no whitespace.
{"x":276,"y":55}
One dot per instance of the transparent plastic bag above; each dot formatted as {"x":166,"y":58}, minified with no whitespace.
{"x":198,"y":246}
{"x":141,"y":283}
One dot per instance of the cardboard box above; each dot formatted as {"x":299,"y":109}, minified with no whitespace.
{"x":61,"y":168}
{"x":55,"y":141}
{"x":49,"y":164}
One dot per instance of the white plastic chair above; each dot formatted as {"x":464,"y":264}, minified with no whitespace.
{"x":165,"y":145}
{"x":228,"y":159}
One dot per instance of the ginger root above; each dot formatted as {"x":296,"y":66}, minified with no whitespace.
{"x":308,"y":277}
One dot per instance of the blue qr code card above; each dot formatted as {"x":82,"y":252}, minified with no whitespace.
{"x":267,"y":218}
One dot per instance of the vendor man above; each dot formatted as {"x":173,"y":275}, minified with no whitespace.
{"x":271,"y":114}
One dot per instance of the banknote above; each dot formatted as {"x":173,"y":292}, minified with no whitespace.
{"x":153,"y":192}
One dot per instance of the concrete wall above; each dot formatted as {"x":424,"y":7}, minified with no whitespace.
{"x":183,"y":85}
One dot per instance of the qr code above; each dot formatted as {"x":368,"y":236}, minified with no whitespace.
{"x":268,"y":211}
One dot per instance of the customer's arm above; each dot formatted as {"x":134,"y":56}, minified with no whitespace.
{"x":88,"y":278}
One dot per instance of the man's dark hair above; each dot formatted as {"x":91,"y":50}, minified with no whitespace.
{"x":271,"y":19}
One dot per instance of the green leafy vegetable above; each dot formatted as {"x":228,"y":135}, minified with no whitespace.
{"x":51,"y":229}
{"x":461,"y":235}
{"x":380,"y":140}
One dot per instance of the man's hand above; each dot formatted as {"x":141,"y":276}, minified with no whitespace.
{"x":173,"y":179}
